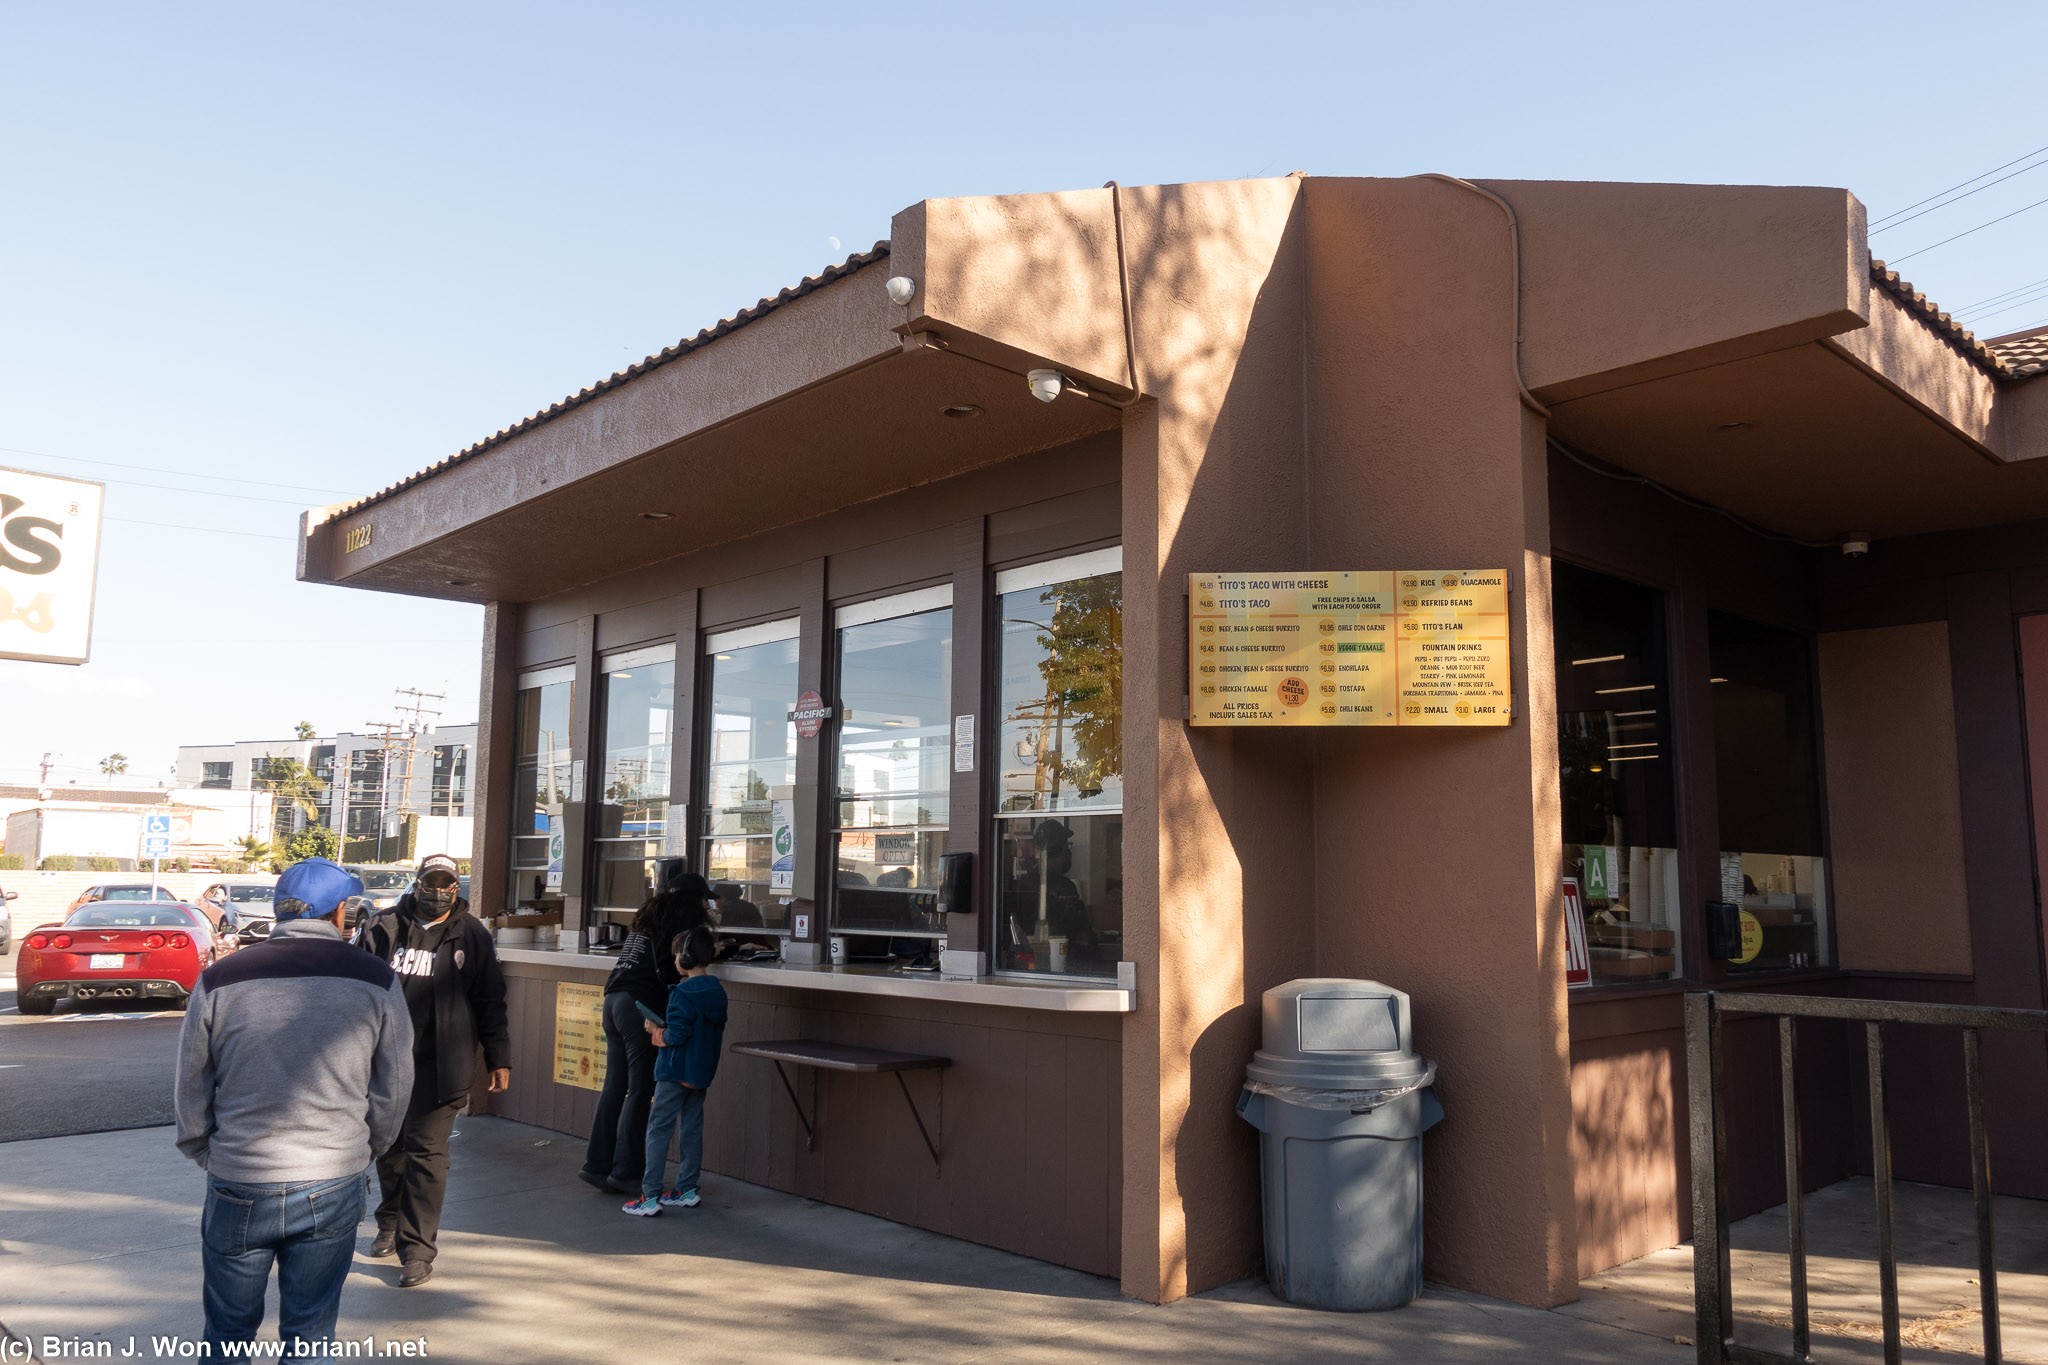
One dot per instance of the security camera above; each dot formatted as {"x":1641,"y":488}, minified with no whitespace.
{"x":901,"y":288}
{"x":1856,"y":544}
{"x":1045,"y":384}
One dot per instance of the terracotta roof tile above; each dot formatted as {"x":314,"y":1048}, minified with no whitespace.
{"x":2024,"y":353}
{"x":662,"y":357}
{"x":2021,"y":355}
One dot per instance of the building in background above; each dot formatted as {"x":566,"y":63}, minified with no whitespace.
{"x":387,"y":801}
{"x":105,"y":823}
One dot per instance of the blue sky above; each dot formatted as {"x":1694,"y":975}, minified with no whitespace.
{"x":317,"y":248}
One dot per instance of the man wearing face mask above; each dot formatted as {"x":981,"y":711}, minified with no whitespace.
{"x":448,"y":967}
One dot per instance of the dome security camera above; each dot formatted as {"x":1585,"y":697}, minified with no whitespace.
{"x":901,"y":288}
{"x":1045,"y":384}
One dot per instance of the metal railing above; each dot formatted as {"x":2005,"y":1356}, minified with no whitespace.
{"x":1714,"y":1329}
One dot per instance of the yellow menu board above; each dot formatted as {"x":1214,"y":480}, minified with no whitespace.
{"x":579,"y":1035}
{"x":1391,"y":647}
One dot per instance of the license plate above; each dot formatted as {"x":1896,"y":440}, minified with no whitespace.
{"x":100,"y":960}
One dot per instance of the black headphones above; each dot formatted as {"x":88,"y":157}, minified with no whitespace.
{"x":698,"y":948}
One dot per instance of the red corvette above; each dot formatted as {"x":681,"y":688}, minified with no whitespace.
{"x":116,"y":950}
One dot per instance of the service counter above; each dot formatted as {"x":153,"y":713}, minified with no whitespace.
{"x":1027,"y":1113}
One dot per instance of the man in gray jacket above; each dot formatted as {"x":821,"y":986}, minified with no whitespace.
{"x":294,"y":1068}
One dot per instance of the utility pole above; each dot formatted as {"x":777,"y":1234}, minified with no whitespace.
{"x":385,"y":731}
{"x":49,"y":762}
{"x":420,"y":723}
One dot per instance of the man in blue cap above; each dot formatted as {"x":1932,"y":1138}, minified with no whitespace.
{"x":294,"y":1068}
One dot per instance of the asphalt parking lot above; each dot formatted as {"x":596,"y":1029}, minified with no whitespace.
{"x":83,"y":1070}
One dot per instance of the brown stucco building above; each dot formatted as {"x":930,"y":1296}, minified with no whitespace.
{"x":1662,"y":409}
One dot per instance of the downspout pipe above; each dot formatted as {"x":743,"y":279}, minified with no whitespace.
{"x":1515,"y":255}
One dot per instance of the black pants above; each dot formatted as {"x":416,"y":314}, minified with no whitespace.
{"x":413,"y":1175}
{"x":618,"y":1135}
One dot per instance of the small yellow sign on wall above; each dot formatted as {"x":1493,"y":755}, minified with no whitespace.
{"x":1392,"y":647}
{"x":579,"y":1035}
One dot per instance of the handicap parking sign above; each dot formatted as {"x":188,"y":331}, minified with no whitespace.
{"x":156,"y":835}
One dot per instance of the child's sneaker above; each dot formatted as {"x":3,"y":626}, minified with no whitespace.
{"x":642,"y":1207}
{"x":681,"y":1199}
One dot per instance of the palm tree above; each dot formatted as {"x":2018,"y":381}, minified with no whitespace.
{"x":306,"y":730}
{"x":254,"y":850}
{"x":114,"y":764}
{"x":291,"y":785}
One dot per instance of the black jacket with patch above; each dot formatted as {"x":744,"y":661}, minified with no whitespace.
{"x":469,"y":993}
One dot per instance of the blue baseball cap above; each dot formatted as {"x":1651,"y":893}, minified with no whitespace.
{"x":318,"y":883}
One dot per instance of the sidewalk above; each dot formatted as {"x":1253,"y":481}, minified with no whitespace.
{"x":99,"y":1239}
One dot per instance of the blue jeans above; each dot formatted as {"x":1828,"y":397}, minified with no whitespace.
{"x":308,"y":1228}
{"x":676,"y":1107}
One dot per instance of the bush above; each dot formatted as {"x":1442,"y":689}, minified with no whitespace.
{"x":229,"y":867}
{"x":315,"y":841}
{"x":11,"y":862}
{"x":103,"y":864}
{"x":182,"y":864}
{"x":462,"y":866}
{"x":58,"y":862}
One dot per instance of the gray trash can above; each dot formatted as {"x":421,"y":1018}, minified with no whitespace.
{"x":1341,"y":1102}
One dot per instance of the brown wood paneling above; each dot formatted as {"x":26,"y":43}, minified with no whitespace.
{"x":968,"y":828}
{"x":546,"y":645}
{"x":755,"y":597}
{"x":1074,"y":521}
{"x":641,"y":624}
{"x":492,"y":812}
{"x":890,"y":565}
{"x":682,"y":762}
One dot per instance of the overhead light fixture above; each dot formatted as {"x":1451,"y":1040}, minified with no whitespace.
{"x":723,"y":658}
{"x":1603,"y":659}
{"x":1045,"y":384}
{"x":461,"y":583}
{"x":1856,"y":544}
{"x":1735,"y":426}
{"x":1715,"y":680}
{"x":960,"y":410}
{"x":656,"y":516}
{"x":902,"y":289}
{"x":1610,"y":691}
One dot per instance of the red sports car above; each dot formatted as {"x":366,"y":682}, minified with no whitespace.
{"x":115,"y":950}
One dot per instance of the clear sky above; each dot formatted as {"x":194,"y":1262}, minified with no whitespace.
{"x":315,"y":248}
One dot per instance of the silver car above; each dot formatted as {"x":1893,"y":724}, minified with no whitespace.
{"x":247,"y":903}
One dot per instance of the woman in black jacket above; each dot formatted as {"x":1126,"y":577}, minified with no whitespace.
{"x":617,"y":1156}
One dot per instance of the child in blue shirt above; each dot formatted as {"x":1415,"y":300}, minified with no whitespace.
{"x":689,"y":1039}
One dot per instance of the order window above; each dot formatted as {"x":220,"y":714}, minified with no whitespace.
{"x":637,"y":707}
{"x":1615,"y":771}
{"x":751,"y":842}
{"x":543,"y":755}
{"x":1059,"y":767}
{"x":1767,"y":780}
{"x":893,"y":660}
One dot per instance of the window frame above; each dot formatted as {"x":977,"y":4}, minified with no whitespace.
{"x":597,"y":765}
{"x":891,"y":606}
{"x":1037,"y":573}
{"x":779,"y":629}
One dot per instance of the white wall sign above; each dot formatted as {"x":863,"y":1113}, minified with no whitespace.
{"x":49,"y":564}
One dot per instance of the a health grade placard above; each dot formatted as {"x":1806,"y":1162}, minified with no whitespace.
{"x":1400,"y":647}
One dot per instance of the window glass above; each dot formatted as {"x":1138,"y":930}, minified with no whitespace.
{"x":630,"y":817}
{"x":1059,"y":757}
{"x":750,"y":773}
{"x":540,"y":791}
{"x":1615,"y":771}
{"x":1767,"y":776}
{"x":217,"y":774}
{"x":894,"y":769}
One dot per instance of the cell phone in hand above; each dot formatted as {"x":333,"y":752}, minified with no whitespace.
{"x":654,"y":1017}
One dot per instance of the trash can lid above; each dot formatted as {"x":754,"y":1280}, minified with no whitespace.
{"x":1336,"y":1032}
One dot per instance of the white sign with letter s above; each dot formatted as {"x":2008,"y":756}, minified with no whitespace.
{"x":49,"y":561}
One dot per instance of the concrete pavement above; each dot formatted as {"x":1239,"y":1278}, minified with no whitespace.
{"x":99,"y":1239}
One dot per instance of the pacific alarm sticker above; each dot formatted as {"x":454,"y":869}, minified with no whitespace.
{"x":49,"y":561}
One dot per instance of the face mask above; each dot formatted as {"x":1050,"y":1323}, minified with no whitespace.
{"x":435,"y":902}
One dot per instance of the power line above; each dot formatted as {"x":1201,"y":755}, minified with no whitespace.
{"x":207,"y":530}
{"x":1960,"y":235}
{"x":206,"y":492}
{"x":2026,"y":301}
{"x":1971,"y":181}
{"x":1996,"y":298}
{"x":181,"y":473}
{"x":1959,"y":198}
